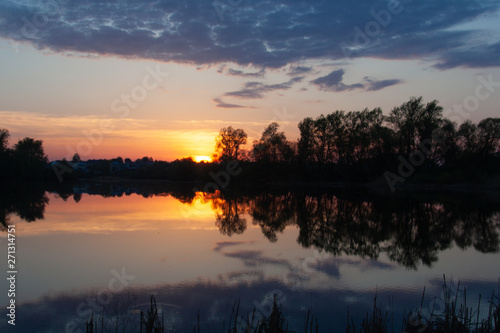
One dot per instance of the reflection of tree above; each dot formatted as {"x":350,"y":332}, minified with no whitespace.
{"x":273,"y":213}
{"x":185,"y":197}
{"x":28,"y":203}
{"x":408,"y":229}
{"x":77,"y":197}
{"x":477,"y":224}
{"x":228,"y":209}
{"x":419,"y":232}
{"x":338,"y":226}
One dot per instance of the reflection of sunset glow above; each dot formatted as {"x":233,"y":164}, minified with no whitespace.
{"x":93,"y":214}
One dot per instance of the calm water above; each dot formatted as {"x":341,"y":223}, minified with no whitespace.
{"x":108,"y":248}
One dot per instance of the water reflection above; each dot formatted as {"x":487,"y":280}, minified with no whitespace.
{"x":273,"y":213}
{"x":228,"y":209}
{"x":210,"y":304}
{"x":410,"y":229}
{"x":27,"y":203}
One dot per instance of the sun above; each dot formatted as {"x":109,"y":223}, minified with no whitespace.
{"x":201,"y":158}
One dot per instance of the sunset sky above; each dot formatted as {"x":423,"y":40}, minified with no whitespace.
{"x":159,"y":78}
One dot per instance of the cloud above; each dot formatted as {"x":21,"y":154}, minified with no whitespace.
{"x":221,"y":104}
{"x":234,"y":72}
{"x":377,"y":85}
{"x":299,"y":70}
{"x":480,"y":57}
{"x":333,"y":82}
{"x":268,"y":34}
{"x":253,"y":89}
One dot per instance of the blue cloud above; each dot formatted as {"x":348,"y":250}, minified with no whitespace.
{"x":268,"y":34}
{"x":333,"y":82}
{"x":377,"y":85}
{"x":252,"y":89}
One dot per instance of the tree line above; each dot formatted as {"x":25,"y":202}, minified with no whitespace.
{"x":354,"y":146}
{"x":363,"y":145}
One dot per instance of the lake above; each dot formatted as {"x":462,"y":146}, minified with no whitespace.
{"x":106,"y":248}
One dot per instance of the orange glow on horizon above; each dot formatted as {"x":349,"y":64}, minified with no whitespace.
{"x":127,"y":138}
{"x":201,"y":158}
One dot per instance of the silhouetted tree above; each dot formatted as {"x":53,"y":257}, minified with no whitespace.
{"x":467,"y":137}
{"x":76,"y":158}
{"x":228,"y":143}
{"x":415,"y":122}
{"x":306,"y":140}
{"x":489,"y":136}
{"x":4,"y":140}
{"x":29,"y":158}
{"x":5,"y":154}
{"x":447,"y":150}
{"x":32,"y":149}
{"x":272,"y":146}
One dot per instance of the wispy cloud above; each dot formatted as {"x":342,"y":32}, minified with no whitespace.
{"x":335,"y":82}
{"x":235,"y":72}
{"x":377,"y":85}
{"x":221,"y":104}
{"x":253,"y":90}
{"x":299,"y":70}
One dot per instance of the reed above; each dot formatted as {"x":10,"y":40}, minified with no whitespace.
{"x":457,"y":316}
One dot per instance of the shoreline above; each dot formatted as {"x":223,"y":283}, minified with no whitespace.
{"x":492,"y":185}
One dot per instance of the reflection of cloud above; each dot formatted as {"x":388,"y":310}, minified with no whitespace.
{"x":180,"y":303}
{"x":331,"y":266}
{"x":252,"y":258}
{"x":221,"y":245}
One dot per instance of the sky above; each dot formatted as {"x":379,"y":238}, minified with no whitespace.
{"x":135,"y":78}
